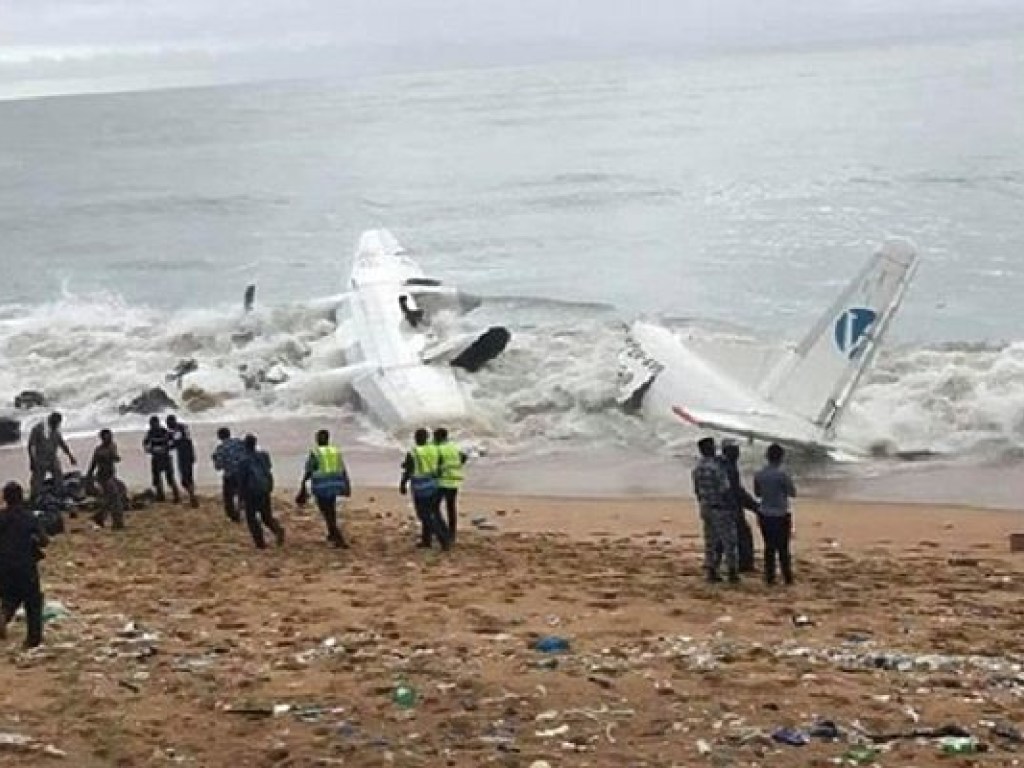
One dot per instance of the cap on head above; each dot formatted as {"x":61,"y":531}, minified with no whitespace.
{"x":706,"y":446}
{"x":440,"y":434}
{"x":421,"y":436}
{"x":13,"y":494}
{"x":322,"y":437}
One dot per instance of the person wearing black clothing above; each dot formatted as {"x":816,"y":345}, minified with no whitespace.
{"x":21,"y":547}
{"x":181,"y":444}
{"x":103,"y":469}
{"x":739,"y":500}
{"x":157,"y":443}
{"x":256,"y":483}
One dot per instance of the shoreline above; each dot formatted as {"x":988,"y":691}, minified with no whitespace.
{"x":603,"y":473}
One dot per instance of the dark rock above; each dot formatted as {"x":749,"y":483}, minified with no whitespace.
{"x":10,"y":430}
{"x":152,"y":401}
{"x":30,"y":398}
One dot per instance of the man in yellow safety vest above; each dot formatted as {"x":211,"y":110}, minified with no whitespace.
{"x":325,"y":467}
{"x":452,"y":473}
{"x":422,"y":470}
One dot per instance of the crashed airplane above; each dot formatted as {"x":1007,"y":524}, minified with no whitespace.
{"x":802,"y":400}
{"x":397,"y":358}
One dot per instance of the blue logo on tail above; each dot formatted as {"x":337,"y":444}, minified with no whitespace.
{"x":852,"y":328}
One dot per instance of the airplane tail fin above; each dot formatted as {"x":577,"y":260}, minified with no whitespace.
{"x":817,"y":379}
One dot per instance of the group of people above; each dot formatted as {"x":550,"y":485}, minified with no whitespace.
{"x":724,"y":501}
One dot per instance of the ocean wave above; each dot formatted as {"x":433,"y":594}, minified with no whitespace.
{"x":553,"y":389}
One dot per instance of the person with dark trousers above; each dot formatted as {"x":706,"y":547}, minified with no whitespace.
{"x":711,"y":487}
{"x":421,"y":470}
{"x":740,"y":500}
{"x":256,"y":483}
{"x":452,"y":474}
{"x":185,"y":450}
{"x":774,"y":487}
{"x":325,"y":468}
{"x":157,"y":443}
{"x":228,"y":458}
{"x":103,"y":469}
{"x":21,"y":548}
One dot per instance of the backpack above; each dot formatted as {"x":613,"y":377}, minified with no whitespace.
{"x":261,"y":479}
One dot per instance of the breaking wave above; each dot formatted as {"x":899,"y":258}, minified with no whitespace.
{"x":553,"y":389}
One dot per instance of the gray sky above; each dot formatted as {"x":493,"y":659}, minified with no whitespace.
{"x":83,"y":38}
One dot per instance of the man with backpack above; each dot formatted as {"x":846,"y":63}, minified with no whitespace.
{"x":256,"y":483}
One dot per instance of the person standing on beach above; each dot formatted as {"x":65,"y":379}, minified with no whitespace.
{"x":421,"y":469}
{"x":452,"y":461}
{"x":256,"y":483}
{"x":43,"y":445}
{"x":228,"y":458}
{"x":774,"y":487}
{"x":183,"y":447}
{"x":157,"y":443}
{"x":711,"y":487}
{"x":103,"y":469}
{"x":325,"y":468}
{"x":22,"y":540}
{"x":739,"y":501}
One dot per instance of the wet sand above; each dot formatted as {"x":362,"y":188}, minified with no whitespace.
{"x":598,"y":473}
{"x":182,"y":639}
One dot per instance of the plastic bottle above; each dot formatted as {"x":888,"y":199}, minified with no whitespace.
{"x":404,"y":696}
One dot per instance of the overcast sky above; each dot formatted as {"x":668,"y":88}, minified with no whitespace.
{"x":51,"y":38}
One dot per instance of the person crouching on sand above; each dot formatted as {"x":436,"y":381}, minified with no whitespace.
{"x":774,"y":487}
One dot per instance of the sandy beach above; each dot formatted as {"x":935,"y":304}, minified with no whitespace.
{"x":184,"y":645}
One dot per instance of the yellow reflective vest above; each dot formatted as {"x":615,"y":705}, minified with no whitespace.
{"x":426,"y":460}
{"x":451,"y":465}
{"x":328,"y":461}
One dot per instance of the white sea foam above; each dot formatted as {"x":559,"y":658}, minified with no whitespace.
{"x":553,"y":389}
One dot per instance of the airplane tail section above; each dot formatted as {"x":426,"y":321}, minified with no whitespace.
{"x":816,"y":380}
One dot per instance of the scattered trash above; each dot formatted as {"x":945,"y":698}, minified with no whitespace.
{"x":860,"y":755}
{"x":799,"y":620}
{"x":552,"y":644}
{"x":1008,"y":732}
{"x":54,"y":610}
{"x":703,"y":748}
{"x":404,"y":696}
{"x":961,"y":745}
{"x":15,"y":741}
{"x":825,"y":729}
{"x":561,"y":730}
{"x":791,"y":736}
